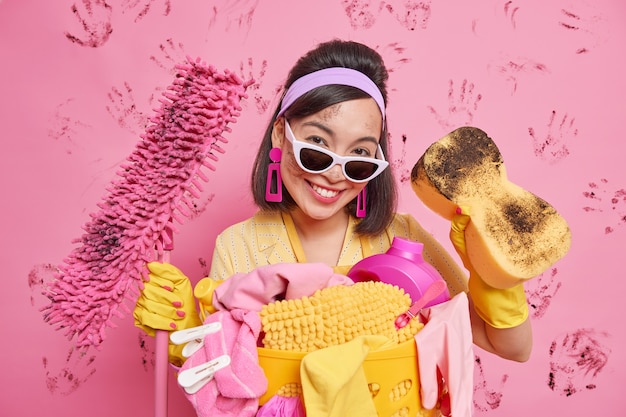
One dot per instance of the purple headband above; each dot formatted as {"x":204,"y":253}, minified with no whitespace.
{"x":328,"y":76}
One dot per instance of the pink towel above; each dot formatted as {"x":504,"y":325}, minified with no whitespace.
{"x":235,"y":390}
{"x":278,"y":406}
{"x":268,"y":283}
{"x":445,"y":349}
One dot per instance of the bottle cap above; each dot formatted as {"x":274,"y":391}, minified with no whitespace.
{"x":203,"y":291}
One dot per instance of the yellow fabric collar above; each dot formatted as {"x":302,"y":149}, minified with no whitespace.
{"x":274,"y":228}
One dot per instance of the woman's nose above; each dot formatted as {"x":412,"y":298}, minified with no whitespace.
{"x":335,"y":173}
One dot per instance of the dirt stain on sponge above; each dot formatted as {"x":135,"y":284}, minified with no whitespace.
{"x":466,"y":154}
{"x":526,"y":224}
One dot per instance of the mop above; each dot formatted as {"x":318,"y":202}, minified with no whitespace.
{"x":154,"y":188}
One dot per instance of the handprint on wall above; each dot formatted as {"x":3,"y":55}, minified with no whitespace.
{"x":248,"y":72}
{"x":581,"y":18}
{"x":552,"y":145}
{"x":199,"y":204}
{"x":146,"y":348}
{"x":399,"y":164}
{"x":602,"y":200}
{"x":486,"y":396}
{"x":394,"y":56}
{"x":505,"y":21}
{"x":171,"y":53}
{"x":576,"y":359}
{"x":361,"y":13}
{"x":124,"y":110}
{"x":540,"y":292}
{"x":205,"y":266}
{"x":39,"y":278}
{"x":63,"y":128}
{"x":411,"y":14}
{"x":510,"y":11}
{"x":94,"y":17}
{"x":462,"y":104}
{"x":513,"y":70}
{"x":233,"y":16}
{"x":77,"y":368}
{"x":144,"y":7}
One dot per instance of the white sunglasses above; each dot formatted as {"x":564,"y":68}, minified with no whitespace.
{"x":315,"y":160}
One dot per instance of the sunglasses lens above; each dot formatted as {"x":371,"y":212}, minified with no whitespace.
{"x":360,"y":170}
{"x":315,"y":160}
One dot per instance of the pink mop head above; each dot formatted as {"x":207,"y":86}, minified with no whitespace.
{"x":155,"y":186}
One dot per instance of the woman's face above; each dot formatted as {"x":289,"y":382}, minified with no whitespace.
{"x":350,"y":128}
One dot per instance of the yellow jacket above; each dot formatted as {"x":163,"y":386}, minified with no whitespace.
{"x":270,"y":238}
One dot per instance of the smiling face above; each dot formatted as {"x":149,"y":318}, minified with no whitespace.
{"x":350,"y":128}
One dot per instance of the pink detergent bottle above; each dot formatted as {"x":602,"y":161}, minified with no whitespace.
{"x":402,"y":265}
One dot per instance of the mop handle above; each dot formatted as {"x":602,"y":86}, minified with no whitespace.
{"x":161,"y":362}
{"x":160,"y":373}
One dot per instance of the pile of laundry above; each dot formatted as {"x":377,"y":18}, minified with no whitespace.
{"x":309,"y":308}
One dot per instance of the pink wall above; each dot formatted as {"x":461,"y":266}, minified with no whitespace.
{"x":545,"y":79}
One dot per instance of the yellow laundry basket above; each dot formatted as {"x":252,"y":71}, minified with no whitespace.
{"x":392,"y":376}
{"x":392,"y":373}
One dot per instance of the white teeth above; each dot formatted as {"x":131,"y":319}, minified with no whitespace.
{"x":324,"y":192}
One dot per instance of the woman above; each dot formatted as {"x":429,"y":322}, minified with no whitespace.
{"x":326,"y":194}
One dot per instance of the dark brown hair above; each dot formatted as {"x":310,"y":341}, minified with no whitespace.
{"x":381,"y":191}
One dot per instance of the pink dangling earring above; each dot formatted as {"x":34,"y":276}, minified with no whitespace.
{"x":273,"y":171}
{"x":361,"y":203}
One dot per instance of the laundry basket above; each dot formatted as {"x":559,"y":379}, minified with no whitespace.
{"x":391,"y":373}
{"x":392,"y":376}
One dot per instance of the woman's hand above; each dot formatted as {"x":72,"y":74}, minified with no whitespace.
{"x":166,"y":303}
{"x":499,"y":316}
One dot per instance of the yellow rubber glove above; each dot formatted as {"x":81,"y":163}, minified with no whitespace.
{"x":499,"y":308}
{"x":166,"y":303}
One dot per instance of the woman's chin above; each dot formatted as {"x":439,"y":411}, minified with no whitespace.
{"x":322,"y":213}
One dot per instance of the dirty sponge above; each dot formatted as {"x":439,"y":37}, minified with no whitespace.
{"x":513,"y":234}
